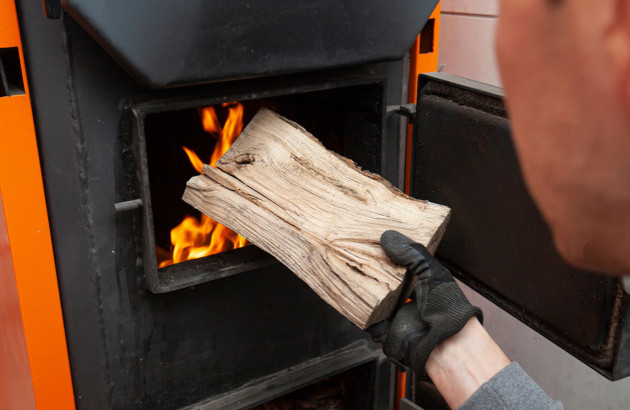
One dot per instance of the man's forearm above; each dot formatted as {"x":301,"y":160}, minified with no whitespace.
{"x":464,"y":362}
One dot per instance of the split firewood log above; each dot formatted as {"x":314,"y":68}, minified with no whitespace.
{"x":317,"y":213}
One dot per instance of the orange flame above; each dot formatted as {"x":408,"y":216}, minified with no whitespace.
{"x":194,"y":238}
{"x":196,"y":162}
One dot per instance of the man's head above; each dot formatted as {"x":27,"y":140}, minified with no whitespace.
{"x":565,"y":66}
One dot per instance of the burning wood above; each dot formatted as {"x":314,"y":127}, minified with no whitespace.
{"x":317,"y":213}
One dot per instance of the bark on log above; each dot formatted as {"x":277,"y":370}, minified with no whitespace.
{"x":317,"y":213}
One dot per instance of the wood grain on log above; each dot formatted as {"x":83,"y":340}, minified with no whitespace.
{"x":317,"y":213}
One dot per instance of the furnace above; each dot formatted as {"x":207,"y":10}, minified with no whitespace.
{"x":117,"y":100}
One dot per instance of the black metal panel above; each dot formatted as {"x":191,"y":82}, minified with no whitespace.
{"x":165,"y":43}
{"x":357,"y":356}
{"x":497,"y":241}
{"x":52,"y":8}
{"x":62,"y":153}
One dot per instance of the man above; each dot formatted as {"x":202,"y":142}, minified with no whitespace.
{"x":572,"y":134}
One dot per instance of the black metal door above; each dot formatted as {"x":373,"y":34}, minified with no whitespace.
{"x":497,"y":241}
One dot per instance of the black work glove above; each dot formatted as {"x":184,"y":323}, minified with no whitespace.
{"x":439,"y":310}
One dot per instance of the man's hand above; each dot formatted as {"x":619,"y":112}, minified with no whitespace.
{"x":439,"y":311}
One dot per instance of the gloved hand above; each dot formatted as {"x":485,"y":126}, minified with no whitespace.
{"x":439,"y":310}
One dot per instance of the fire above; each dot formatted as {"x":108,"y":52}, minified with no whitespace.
{"x":194,"y":160}
{"x":194,"y":238}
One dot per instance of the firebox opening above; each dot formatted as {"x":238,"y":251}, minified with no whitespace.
{"x":195,"y":235}
{"x":426,"y":37}
{"x":352,"y":389}
{"x":11,"y":82}
{"x":346,"y":120}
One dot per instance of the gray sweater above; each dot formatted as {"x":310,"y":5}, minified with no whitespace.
{"x":511,"y":388}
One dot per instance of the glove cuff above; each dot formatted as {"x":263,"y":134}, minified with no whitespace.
{"x":447,"y":312}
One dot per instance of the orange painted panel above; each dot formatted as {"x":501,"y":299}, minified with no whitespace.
{"x":16,"y":388}
{"x":30,"y":249}
{"x":401,"y":387}
{"x":420,"y":63}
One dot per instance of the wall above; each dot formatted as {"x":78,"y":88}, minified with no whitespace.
{"x":466,"y":49}
{"x":466,"y":38}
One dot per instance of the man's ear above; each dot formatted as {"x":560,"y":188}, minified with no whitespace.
{"x":617,"y":48}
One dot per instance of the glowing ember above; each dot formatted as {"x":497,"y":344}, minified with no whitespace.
{"x":194,"y":238}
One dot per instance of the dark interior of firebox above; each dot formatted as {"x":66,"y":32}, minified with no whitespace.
{"x":349,"y":390}
{"x":346,"y":120}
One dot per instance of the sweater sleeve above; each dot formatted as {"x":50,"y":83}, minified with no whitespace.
{"x":511,"y":388}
